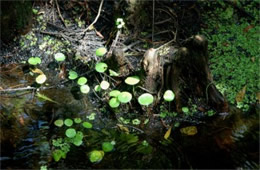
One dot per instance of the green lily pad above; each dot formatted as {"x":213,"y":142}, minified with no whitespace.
{"x":97,"y":88}
{"x":34,"y":60}
{"x":82,"y":81}
{"x":77,"y":140}
{"x":91,"y":116}
{"x":133,"y":80}
{"x":168,"y":95}
{"x":59,"y":57}
{"x":68,"y":122}
{"x":114,"y":103}
{"x":104,"y":85}
{"x":136,"y":121}
{"x":124,"y":97}
{"x":107,"y":146}
{"x":71,"y":132}
{"x":101,"y":67}
{"x":77,"y":120}
{"x":58,"y":123}
{"x":145,"y":99}
{"x":73,"y":75}
{"x":84,"y":89}
{"x":185,"y":109}
{"x":87,"y":125}
{"x":101,"y":51}
{"x":57,"y":154}
{"x":41,"y":79}
{"x":114,"y":93}
{"x":113,"y":73}
{"x":96,"y":156}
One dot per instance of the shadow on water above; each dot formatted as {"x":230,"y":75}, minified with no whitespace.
{"x":27,"y":131}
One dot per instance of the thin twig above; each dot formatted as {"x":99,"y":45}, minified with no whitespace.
{"x":99,"y":11}
{"x":113,"y":44}
{"x":58,"y":8}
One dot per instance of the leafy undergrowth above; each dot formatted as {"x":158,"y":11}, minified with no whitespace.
{"x":234,"y":50}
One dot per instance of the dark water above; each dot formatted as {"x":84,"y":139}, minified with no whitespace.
{"x":27,"y":131}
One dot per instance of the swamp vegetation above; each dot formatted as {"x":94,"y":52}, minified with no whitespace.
{"x":129,"y":84}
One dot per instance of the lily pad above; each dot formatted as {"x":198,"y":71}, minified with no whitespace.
{"x":77,"y":140}
{"x":97,"y":88}
{"x":84,"y":89}
{"x":96,"y":156}
{"x":91,"y":116}
{"x":41,"y":79}
{"x":136,"y":121}
{"x":107,"y":146}
{"x":58,"y":123}
{"x":114,"y":103}
{"x":133,"y":80}
{"x":185,"y":109}
{"x":77,"y":120}
{"x":34,"y":60}
{"x":113,"y":73}
{"x":124,"y":97}
{"x":73,"y":75}
{"x":101,"y":51}
{"x":71,"y":132}
{"x":104,"y":85}
{"x":82,"y":81}
{"x":87,"y":125}
{"x":101,"y":67}
{"x":59,"y":57}
{"x":114,"y":93}
{"x":168,"y":95}
{"x":145,"y":99}
{"x":68,"y":122}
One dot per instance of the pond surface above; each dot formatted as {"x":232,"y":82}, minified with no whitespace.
{"x":28,"y":131}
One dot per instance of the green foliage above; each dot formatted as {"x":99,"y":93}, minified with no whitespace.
{"x":91,"y":116}
{"x":84,"y":89}
{"x":77,"y":120}
{"x":96,"y":156}
{"x":101,"y":51}
{"x":133,"y":80}
{"x":59,"y":57}
{"x":34,"y":60}
{"x":104,"y":85}
{"x":136,"y":121}
{"x":124,"y":97}
{"x":168,"y":95}
{"x":107,"y":146}
{"x":68,"y":122}
{"x":114,"y":103}
{"x":70,"y":133}
{"x":87,"y":125}
{"x":113,"y":73}
{"x":40,"y":79}
{"x":114,"y":93}
{"x":73,"y":75}
{"x":58,"y":122}
{"x":145,"y":99}
{"x":82,"y":81}
{"x":101,"y":67}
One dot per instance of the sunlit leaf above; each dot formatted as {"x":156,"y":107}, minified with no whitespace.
{"x":84,"y":89}
{"x":145,"y":99}
{"x":71,"y":132}
{"x":87,"y":125}
{"x":190,"y":130}
{"x":113,"y":73}
{"x":82,"y":81}
{"x":96,"y":156}
{"x":41,"y":79}
{"x":101,"y":67}
{"x":58,"y":123}
{"x":114,"y":93}
{"x":77,"y":120}
{"x":73,"y":75}
{"x":124,"y":97}
{"x":101,"y":51}
{"x":168,"y":133}
{"x":34,"y":60}
{"x":68,"y":122}
{"x":59,"y":57}
{"x":104,"y":85}
{"x":42,"y":96}
{"x":133,"y":80}
{"x":107,"y":146}
{"x":168,"y":95}
{"x":114,"y":103}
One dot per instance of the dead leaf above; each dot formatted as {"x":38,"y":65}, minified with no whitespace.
{"x":241,"y":94}
{"x":99,"y":34}
{"x":253,"y":59}
{"x":36,"y":70}
{"x":168,"y":133}
{"x":21,"y":120}
{"x":258,"y":97}
{"x":123,"y":128}
{"x":190,"y":130}
{"x":248,"y":28}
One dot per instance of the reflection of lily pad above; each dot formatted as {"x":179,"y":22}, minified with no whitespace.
{"x":145,"y":99}
{"x":34,"y":60}
{"x":107,"y":146}
{"x":133,"y":80}
{"x":114,"y":93}
{"x":59,"y":57}
{"x":168,"y":95}
{"x":84,"y":89}
{"x":70,"y":132}
{"x":82,"y":81}
{"x":101,"y":51}
{"x":114,"y":103}
{"x":104,"y":85}
{"x":124,"y":97}
{"x":73,"y":75}
{"x":96,"y":156}
{"x":58,"y":122}
{"x":41,"y":79}
{"x":190,"y":130}
{"x":101,"y":67}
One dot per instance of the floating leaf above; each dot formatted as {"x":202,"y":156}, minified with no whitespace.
{"x":34,"y":60}
{"x":58,"y":123}
{"x":136,"y":121}
{"x":84,"y":89}
{"x":97,"y":88}
{"x":77,"y":120}
{"x":71,"y":132}
{"x":59,"y":57}
{"x":101,"y":51}
{"x":82,"y":81}
{"x":107,"y":146}
{"x":168,"y":95}
{"x":87,"y":125}
{"x":114,"y":93}
{"x":68,"y":122}
{"x":168,"y":133}
{"x":133,"y":80}
{"x":77,"y":140}
{"x":113,"y":73}
{"x":241,"y":94}
{"x":101,"y":67}
{"x":96,"y":156}
{"x":41,"y":79}
{"x":104,"y":85}
{"x":190,"y":130}
{"x":124,"y":97}
{"x":73,"y":75}
{"x":145,"y":99}
{"x":114,"y":103}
